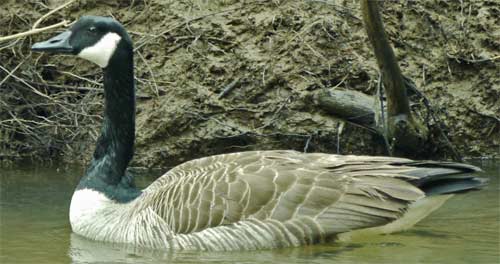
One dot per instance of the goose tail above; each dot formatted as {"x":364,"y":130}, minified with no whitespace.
{"x":437,"y":178}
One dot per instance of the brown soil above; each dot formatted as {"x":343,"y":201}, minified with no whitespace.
{"x":272,"y":54}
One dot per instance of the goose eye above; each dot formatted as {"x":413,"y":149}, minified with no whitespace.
{"x":92,"y":29}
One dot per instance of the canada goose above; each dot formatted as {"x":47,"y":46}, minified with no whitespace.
{"x":239,"y":201}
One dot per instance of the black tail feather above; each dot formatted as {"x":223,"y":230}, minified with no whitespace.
{"x":454,"y":185}
{"x":435,"y":177}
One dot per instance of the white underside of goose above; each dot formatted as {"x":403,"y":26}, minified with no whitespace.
{"x":97,"y":217}
{"x":86,"y":208}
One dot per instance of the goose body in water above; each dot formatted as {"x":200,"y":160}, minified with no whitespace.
{"x":239,"y":201}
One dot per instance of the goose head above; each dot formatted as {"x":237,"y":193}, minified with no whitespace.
{"x":92,"y":38}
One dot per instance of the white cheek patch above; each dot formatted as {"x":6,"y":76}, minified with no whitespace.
{"x":101,"y":52}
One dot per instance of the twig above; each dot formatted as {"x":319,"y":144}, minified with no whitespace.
{"x":298,"y":34}
{"x":35,"y":25}
{"x":264,"y":76}
{"x":82,"y":78}
{"x":307,"y":143}
{"x":228,"y":88}
{"x":460,"y":59}
{"x":241,"y":131}
{"x":277,"y":112}
{"x":347,"y":11}
{"x":12,"y":72}
{"x":484,"y":115}
{"x":380,"y":93}
{"x":410,"y":86}
{"x":33,"y":31}
{"x":27,"y":84}
{"x":341,"y":82}
{"x":340,"y":127}
{"x":185,"y":23}
{"x":155,"y":90}
{"x":64,"y":87}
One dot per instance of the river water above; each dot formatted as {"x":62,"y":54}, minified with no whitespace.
{"x":34,"y":228}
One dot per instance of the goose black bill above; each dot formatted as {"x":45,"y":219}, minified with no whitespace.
{"x":57,"y":44}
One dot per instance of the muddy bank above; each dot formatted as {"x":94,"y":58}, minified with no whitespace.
{"x":222,"y":76}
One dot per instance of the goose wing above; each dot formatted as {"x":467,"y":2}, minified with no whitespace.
{"x":329,"y":193}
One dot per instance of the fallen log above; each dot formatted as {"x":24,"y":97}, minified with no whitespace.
{"x":352,"y":106}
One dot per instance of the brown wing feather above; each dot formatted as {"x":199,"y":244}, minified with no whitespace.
{"x":328,"y":193}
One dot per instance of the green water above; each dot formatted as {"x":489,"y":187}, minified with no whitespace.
{"x":34,"y":228}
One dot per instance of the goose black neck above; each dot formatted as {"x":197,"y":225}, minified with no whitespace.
{"x":114,"y":147}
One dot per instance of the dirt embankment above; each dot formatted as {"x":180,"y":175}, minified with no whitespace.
{"x":222,"y":76}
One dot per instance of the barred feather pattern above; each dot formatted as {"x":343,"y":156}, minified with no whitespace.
{"x":257,"y":200}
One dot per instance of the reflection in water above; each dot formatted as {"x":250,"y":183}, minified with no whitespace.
{"x":83,"y":250}
{"x":34,"y":228}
